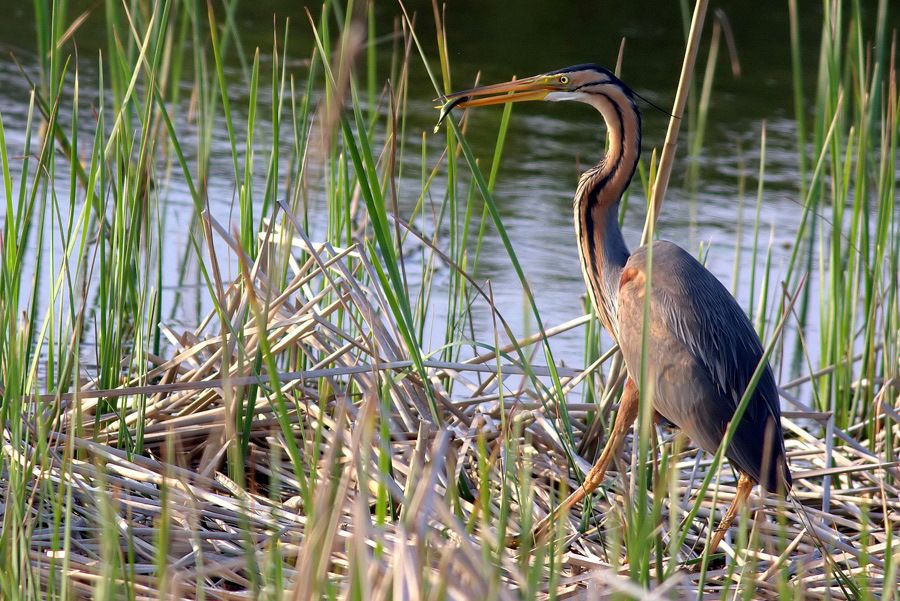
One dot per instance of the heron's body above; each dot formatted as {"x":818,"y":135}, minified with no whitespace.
{"x":701,"y":355}
{"x":702,"y":350}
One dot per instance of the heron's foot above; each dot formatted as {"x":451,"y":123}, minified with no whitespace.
{"x":518,"y":541}
{"x":538,"y":535}
{"x":541,"y":532}
{"x":521,"y":540}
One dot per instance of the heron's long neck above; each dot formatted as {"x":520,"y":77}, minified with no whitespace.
{"x":601,"y":247}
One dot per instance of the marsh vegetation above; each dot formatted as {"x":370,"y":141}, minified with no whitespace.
{"x":264,"y":334}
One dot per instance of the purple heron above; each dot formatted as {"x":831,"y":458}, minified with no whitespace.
{"x":702,"y":350}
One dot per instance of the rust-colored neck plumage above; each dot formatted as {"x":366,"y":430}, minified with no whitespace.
{"x":601,"y":247}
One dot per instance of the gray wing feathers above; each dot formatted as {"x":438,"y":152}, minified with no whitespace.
{"x":703,"y":353}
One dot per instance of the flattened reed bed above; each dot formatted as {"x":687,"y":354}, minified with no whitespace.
{"x":302,"y":439}
{"x":358,"y":443}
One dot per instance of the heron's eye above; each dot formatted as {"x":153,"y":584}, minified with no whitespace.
{"x":563,"y":79}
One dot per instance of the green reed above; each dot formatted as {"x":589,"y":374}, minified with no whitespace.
{"x":89,"y":198}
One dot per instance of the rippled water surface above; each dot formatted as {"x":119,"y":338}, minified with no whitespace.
{"x":548,"y":144}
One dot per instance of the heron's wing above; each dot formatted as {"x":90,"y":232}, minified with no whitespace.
{"x":702,"y":353}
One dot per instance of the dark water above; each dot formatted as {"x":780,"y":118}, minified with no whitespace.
{"x":548,"y":144}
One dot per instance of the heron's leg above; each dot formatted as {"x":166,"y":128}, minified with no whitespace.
{"x":628,"y":410}
{"x":744,"y":486}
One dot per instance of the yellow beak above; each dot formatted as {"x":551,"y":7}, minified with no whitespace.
{"x":517,"y":90}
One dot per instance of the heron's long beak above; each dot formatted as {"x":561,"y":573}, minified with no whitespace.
{"x":517,"y":90}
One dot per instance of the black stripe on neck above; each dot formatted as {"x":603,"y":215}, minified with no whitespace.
{"x":604,"y":263}
{"x":612,"y":164}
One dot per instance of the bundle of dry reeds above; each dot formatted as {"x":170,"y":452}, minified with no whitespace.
{"x":388,"y":498}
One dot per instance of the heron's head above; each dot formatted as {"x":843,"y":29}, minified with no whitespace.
{"x":592,"y":85}
{"x":583,"y":83}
